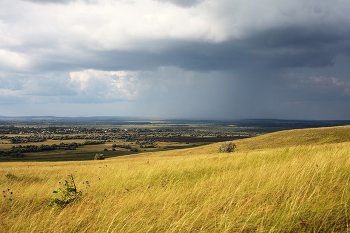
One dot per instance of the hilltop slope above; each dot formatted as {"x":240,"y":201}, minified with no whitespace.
{"x":299,"y":185}
{"x":287,"y":138}
{"x":297,"y":137}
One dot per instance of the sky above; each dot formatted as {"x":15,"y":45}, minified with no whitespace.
{"x":171,"y":59}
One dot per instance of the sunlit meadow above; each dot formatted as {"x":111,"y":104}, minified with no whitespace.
{"x":287,"y":181}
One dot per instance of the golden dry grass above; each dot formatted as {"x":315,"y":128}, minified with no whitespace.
{"x":291,"y":187}
{"x":296,"y":137}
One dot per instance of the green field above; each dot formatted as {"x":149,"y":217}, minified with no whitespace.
{"x":88,"y":152}
{"x":288,"y":181}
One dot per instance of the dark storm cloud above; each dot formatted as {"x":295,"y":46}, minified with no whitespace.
{"x":272,"y":49}
{"x":299,"y":37}
{"x":301,"y":47}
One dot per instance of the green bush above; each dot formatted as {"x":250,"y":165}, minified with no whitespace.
{"x":69,"y":192}
{"x":227,"y":147}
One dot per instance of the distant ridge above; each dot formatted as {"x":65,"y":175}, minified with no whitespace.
{"x":272,"y":124}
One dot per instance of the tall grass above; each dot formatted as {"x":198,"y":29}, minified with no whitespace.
{"x":296,"y":137}
{"x":286,"y":189}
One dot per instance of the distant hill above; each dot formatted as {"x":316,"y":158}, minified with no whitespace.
{"x":259,"y":125}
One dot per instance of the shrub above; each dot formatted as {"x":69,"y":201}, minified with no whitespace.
{"x":99,"y":157}
{"x":11,"y":176}
{"x":69,"y":192}
{"x":227,"y":147}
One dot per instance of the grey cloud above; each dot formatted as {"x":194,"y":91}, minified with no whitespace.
{"x":277,"y":48}
{"x":12,"y":100}
{"x":254,"y":67}
{"x":58,"y":1}
{"x":231,"y":55}
{"x":50,"y":1}
{"x":182,"y":3}
{"x":173,"y":92}
{"x":43,"y":86}
{"x":294,"y":71}
{"x":319,"y":88}
{"x":13,"y":83}
{"x":311,"y":37}
{"x":309,"y":45}
{"x":24,"y":88}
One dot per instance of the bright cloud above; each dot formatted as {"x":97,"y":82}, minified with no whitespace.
{"x":113,"y":85}
{"x":13,"y":60}
{"x":124,"y":24}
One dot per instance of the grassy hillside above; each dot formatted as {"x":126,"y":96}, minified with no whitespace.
{"x":315,"y":136}
{"x":287,"y":181}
